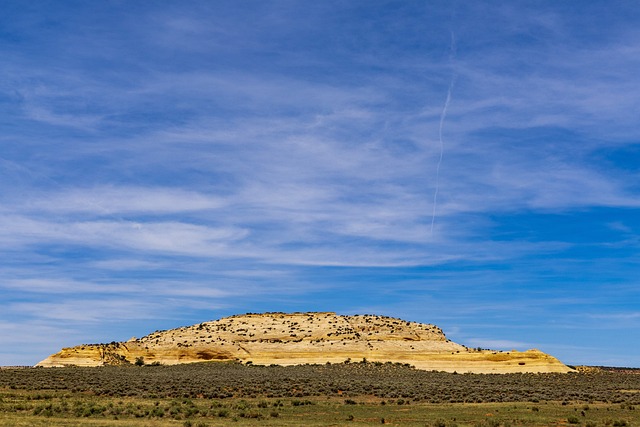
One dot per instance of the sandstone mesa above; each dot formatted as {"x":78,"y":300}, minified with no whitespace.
{"x":299,"y":338}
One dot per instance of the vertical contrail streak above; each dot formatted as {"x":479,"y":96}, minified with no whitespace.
{"x":443,"y":116}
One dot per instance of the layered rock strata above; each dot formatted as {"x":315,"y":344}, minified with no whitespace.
{"x":298,"y":338}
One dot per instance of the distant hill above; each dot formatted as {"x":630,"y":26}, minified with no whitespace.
{"x":298,"y":338}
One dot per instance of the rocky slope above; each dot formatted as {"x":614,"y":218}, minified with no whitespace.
{"x":297,"y":338}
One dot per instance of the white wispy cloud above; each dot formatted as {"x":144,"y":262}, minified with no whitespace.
{"x":66,"y":286}
{"x":75,"y":310}
{"x":122,"y":200}
{"x":629,"y":316}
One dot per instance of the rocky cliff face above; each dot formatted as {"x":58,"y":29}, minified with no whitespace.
{"x":297,"y":338}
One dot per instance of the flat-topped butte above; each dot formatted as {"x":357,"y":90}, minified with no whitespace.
{"x":299,"y":338}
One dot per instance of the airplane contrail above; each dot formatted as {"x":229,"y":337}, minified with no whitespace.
{"x":443,"y":116}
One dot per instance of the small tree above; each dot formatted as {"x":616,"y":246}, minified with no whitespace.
{"x":139,"y":361}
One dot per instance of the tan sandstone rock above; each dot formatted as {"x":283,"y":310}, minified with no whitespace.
{"x":298,"y":338}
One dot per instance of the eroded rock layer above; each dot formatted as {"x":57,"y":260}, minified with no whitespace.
{"x":298,"y":338}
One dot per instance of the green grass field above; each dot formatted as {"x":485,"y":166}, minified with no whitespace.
{"x":70,"y":409}
{"x":358,"y":395}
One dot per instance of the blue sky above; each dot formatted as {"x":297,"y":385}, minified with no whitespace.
{"x":469,"y":164}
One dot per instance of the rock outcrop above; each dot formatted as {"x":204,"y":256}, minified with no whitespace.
{"x":298,"y":338}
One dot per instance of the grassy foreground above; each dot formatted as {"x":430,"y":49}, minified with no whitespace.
{"x":346,"y":395}
{"x":59,"y":409}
